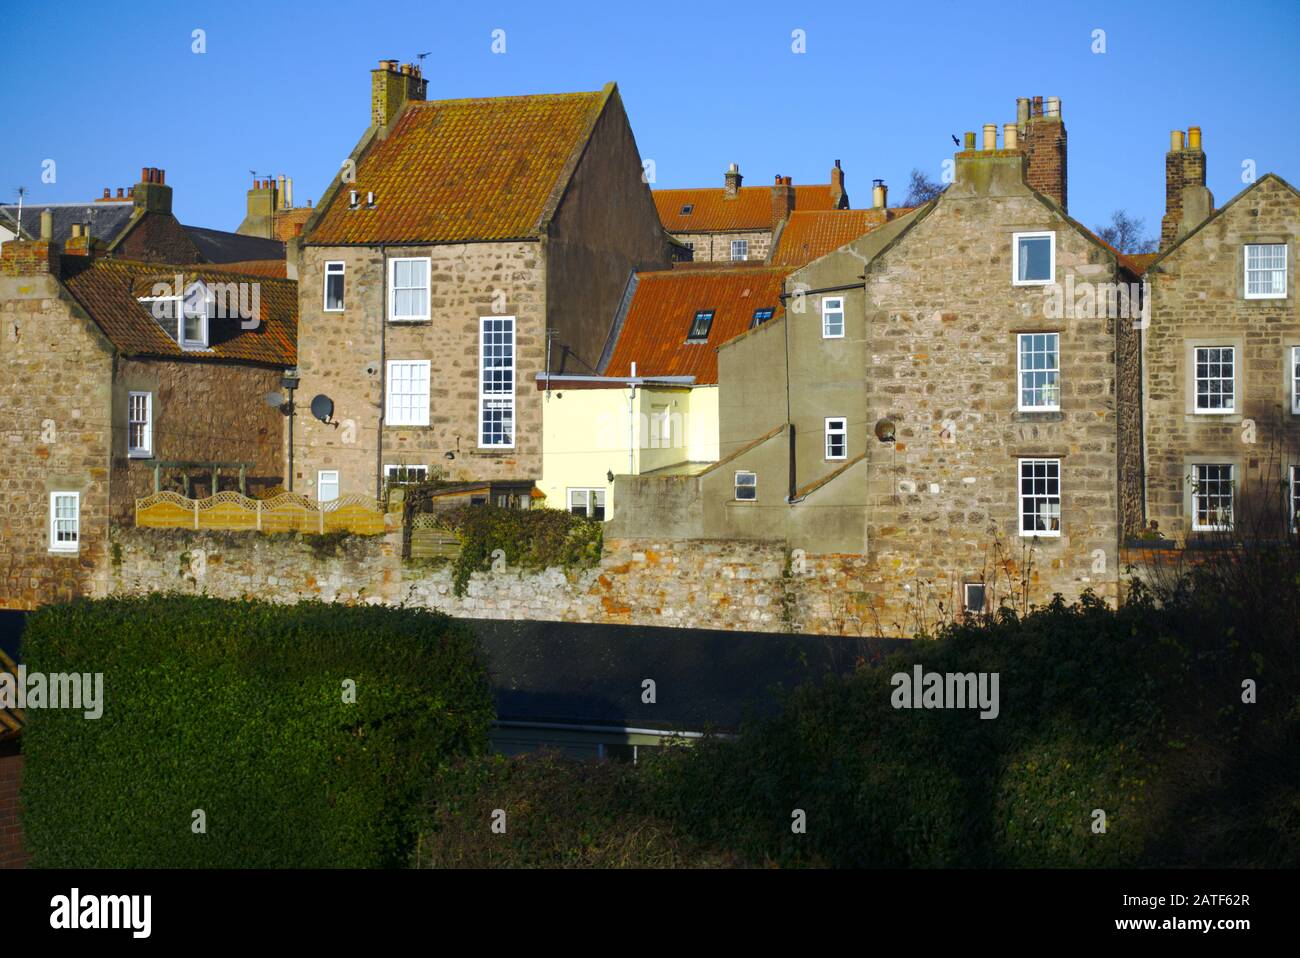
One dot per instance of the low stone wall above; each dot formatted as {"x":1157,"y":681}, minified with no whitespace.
{"x":696,"y":584}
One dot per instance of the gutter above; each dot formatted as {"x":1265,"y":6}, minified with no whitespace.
{"x":629,"y":380}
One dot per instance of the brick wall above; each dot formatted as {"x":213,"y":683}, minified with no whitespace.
{"x":158,"y":238}
{"x":12,"y":853}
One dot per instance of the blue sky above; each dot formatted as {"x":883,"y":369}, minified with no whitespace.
{"x":284,"y":88}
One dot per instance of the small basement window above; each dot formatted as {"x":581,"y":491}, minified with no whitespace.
{"x":746,"y":486}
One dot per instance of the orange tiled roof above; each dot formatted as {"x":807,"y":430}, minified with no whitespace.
{"x":664,"y":304}
{"x":749,"y":209}
{"x":810,"y":235}
{"x":454,"y":171}
{"x":275,"y":268}
{"x":109,"y":290}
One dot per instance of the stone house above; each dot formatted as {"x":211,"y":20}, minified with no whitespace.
{"x":653,"y":407}
{"x":466,"y":247}
{"x":1221,"y":357}
{"x":737,"y":223}
{"x":928,"y":403}
{"x":116,"y":375}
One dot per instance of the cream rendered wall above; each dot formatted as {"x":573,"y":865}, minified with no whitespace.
{"x":587,"y":434}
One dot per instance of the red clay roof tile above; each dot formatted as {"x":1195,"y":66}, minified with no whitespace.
{"x":750,"y":209}
{"x":811,"y":235}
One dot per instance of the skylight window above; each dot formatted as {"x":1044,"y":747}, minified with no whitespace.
{"x":700,"y":327}
{"x":688,"y":209}
{"x":761,"y":315}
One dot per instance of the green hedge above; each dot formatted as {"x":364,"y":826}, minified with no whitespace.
{"x":237,"y":709}
{"x":1136,"y":712}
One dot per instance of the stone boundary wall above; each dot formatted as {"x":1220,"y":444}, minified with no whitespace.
{"x":704,"y":584}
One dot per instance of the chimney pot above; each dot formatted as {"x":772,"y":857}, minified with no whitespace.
{"x":879,"y":194}
{"x":990,"y":136}
{"x":1193,"y":137}
{"x":1010,"y":137}
{"x":47,"y":226}
{"x":969,"y":139}
{"x":162,"y":176}
{"x":1054,"y":106}
{"x":120,"y":193}
{"x":144,"y":174}
{"x":1176,"y":141}
{"x":1022,"y":110}
{"x":107,"y":193}
{"x":76,"y":230}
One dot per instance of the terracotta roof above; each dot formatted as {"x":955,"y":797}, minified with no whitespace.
{"x":749,"y":209}
{"x":109,"y":290}
{"x":807,"y":236}
{"x":275,"y":268}
{"x":1139,"y":262}
{"x":453,"y":171}
{"x":653,"y":332}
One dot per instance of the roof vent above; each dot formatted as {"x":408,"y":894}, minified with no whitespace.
{"x":353,"y":202}
{"x":370,"y":200}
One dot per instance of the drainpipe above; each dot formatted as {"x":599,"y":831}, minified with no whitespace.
{"x":631,"y":424}
{"x":383,"y":371}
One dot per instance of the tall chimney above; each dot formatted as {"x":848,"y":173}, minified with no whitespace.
{"x":279,"y":191}
{"x":391,"y":89}
{"x":152,"y":194}
{"x":839,"y":198}
{"x":1187,"y":200}
{"x":732,"y":180}
{"x":1044,"y":145}
{"x":782,"y":200}
{"x":879,"y":195}
{"x":260,"y":217}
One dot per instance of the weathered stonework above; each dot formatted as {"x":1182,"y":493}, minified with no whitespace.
{"x":716,"y":247}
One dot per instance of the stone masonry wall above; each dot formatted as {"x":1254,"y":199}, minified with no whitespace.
{"x":697,"y":584}
{"x":716,"y":247}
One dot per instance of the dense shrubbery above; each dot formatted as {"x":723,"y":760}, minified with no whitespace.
{"x":238,"y":709}
{"x":1136,"y":712}
{"x":532,"y":539}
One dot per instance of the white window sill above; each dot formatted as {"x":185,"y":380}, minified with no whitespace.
{"x":1040,"y":535}
{"x":64,"y":551}
{"x":1038,"y":409}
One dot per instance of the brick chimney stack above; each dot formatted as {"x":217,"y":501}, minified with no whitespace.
{"x":731,"y":181}
{"x":839,"y":198}
{"x":152,"y":192}
{"x":1042,"y":138}
{"x":1187,"y":200}
{"x":782,"y":200}
{"x":391,"y":87}
{"x":32,"y":257}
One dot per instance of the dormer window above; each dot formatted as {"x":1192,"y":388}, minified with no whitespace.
{"x":196,"y":307}
{"x":700,"y":327}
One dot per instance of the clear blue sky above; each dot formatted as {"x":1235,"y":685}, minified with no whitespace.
{"x":284,"y":88}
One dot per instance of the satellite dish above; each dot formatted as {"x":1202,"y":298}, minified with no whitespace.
{"x":275,"y":400}
{"x":322,"y":407}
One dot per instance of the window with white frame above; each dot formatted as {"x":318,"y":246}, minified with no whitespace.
{"x":334,"y":287}
{"x":398,"y":474}
{"x":739,"y":249}
{"x":973,"y":597}
{"x":1033,"y":259}
{"x":1295,"y":380}
{"x":1040,"y":497}
{"x":497,"y":381}
{"x":327,"y":485}
{"x":837,"y":438}
{"x":746,"y":486}
{"x":1212,"y":485}
{"x":1039,"y":365}
{"x":192,"y":332}
{"x":139,"y":425}
{"x":588,"y":502}
{"x":1266,"y":271}
{"x":1295,"y":498}
{"x":833,"y":317}
{"x":408,"y":288}
{"x":408,"y":393}
{"x":1215,"y":379}
{"x":65,"y":521}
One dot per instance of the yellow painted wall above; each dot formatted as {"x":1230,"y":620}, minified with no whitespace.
{"x":586,"y":434}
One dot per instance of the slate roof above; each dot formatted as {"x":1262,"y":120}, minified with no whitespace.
{"x":750,"y":209}
{"x":454,"y":171}
{"x":810,"y":235}
{"x":109,"y":290}
{"x":591,"y":674}
{"x":219,"y":246}
{"x":652,"y":330}
{"x":106,"y":219}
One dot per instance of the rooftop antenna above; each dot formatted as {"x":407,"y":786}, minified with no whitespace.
{"x":18,"y":223}
{"x":420,"y":57}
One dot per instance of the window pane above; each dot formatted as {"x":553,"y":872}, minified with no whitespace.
{"x":1035,"y":258}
